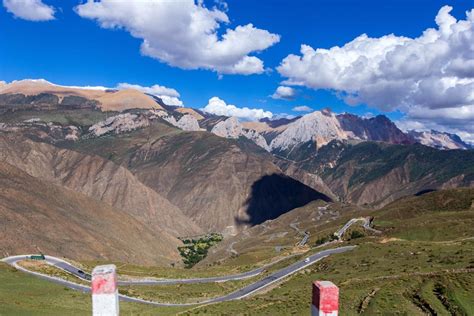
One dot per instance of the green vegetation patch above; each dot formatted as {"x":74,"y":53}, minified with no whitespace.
{"x":195,"y":249}
{"x":325,"y":239}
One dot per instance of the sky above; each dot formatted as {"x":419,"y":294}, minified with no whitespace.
{"x":410,"y":60}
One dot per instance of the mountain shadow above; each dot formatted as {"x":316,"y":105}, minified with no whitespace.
{"x":422,"y":192}
{"x":275,"y":194}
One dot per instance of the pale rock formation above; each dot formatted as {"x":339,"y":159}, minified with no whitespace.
{"x":232,"y":128}
{"x":188,"y":123}
{"x":118,"y":124}
{"x":439,"y":140}
{"x":319,"y":126}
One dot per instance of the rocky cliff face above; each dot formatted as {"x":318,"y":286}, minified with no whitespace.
{"x":378,"y":128}
{"x":286,"y":137}
{"x":229,"y":128}
{"x":232,"y":128}
{"x":439,"y":140}
{"x":119,"y":124}
{"x":319,"y":127}
{"x":188,"y":123}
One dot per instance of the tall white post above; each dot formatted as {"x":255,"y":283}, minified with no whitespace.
{"x":325,"y":299}
{"x":105,"y":301}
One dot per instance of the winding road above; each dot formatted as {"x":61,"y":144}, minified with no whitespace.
{"x":365,"y":223}
{"x":238,"y":294}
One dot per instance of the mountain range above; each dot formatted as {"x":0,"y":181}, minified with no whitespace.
{"x":176,"y":172}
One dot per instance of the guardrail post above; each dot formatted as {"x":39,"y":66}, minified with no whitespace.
{"x":325,"y":299}
{"x":105,"y":300}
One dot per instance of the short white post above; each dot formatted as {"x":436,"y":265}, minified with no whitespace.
{"x":105,"y":301}
{"x":325,"y":299}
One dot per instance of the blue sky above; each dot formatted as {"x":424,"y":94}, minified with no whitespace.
{"x":73,"y":50}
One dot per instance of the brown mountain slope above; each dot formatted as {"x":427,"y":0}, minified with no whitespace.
{"x":126,"y":99}
{"x":219,"y":183}
{"x":38,"y":216}
{"x":378,"y":173}
{"x":190,"y":111}
{"x":98,"y":178}
{"x":108,"y":100}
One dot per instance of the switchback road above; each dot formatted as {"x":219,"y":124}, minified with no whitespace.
{"x":239,"y":294}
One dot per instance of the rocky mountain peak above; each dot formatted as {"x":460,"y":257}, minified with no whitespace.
{"x":439,"y":140}
{"x":378,"y":128}
{"x":188,"y":123}
{"x":317,"y":126}
{"x":229,"y":128}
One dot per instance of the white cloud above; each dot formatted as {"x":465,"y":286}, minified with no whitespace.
{"x":457,"y":120}
{"x":302,"y":108}
{"x":169,"y":95}
{"x":31,"y":10}
{"x":154,"y":89}
{"x":430,"y":77}
{"x":284,"y":93}
{"x":173,"y":101}
{"x":185,"y":34}
{"x":218,"y":106}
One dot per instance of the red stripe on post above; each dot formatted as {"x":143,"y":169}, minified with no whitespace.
{"x":104,"y":280}
{"x":325,"y":297}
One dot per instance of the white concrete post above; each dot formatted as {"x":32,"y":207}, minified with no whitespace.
{"x":325,"y":299}
{"x":105,"y":301}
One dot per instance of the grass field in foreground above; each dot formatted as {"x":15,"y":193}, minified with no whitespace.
{"x":396,"y":271}
{"x":23,"y":294}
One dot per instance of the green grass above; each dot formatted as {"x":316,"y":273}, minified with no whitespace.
{"x":436,"y":216}
{"x":184,"y":293}
{"x":136,"y":271}
{"x":22,"y":294}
